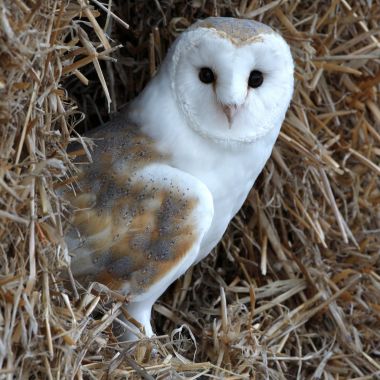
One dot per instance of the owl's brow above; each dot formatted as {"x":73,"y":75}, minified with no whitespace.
{"x":237,"y":31}
{"x":237,"y":41}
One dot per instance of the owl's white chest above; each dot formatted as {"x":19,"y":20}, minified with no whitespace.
{"x":229,"y":189}
{"x":229,"y":174}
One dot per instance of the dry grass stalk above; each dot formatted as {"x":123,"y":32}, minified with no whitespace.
{"x":293,"y":290}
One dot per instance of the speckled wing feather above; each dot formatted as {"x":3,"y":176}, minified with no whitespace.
{"x":138,"y":222}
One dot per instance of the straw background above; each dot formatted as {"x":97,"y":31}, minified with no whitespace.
{"x":292,"y":291}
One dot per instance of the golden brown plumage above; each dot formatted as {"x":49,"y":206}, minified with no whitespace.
{"x":128,"y":230}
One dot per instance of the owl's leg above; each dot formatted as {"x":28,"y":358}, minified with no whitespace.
{"x":141,"y":312}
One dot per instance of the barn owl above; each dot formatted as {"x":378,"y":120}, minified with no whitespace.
{"x":173,"y":168}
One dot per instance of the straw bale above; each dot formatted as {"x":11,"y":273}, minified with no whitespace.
{"x":292,"y":291}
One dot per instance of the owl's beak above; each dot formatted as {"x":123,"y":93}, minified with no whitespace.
{"x":230,"y":111}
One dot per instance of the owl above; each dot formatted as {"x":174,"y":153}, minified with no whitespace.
{"x":170,"y":171}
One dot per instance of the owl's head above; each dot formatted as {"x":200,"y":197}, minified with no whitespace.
{"x":232,"y":78}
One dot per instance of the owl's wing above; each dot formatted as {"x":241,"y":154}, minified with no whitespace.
{"x":138,"y":222}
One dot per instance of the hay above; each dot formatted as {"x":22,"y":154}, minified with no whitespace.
{"x":292,"y":291}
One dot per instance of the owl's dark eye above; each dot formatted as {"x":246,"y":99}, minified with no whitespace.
{"x":206,"y":75}
{"x":256,"y":79}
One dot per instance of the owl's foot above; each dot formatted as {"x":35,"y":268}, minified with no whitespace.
{"x":136,"y":322}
